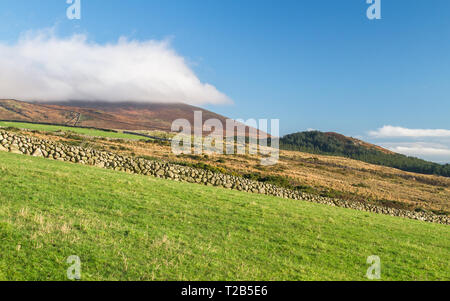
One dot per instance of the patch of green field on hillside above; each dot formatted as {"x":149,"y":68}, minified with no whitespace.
{"x":82,"y":131}
{"x":131,"y":227}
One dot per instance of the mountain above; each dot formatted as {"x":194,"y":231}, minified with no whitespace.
{"x":22,"y":111}
{"x":157,"y":116}
{"x":339,"y":145}
{"x":104,"y":115}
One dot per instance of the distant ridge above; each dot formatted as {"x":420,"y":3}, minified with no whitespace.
{"x":335,"y":144}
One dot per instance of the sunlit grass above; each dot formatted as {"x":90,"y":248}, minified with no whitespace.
{"x":131,"y":227}
{"x":77,"y":130}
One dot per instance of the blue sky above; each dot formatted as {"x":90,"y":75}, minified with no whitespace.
{"x":313,"y":64}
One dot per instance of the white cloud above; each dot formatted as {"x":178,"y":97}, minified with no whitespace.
{"x":420,"y":149}
{"x":42,"y":67}
{"x":428,"y":144}
{"x":428,"y":150}
{"x":389,"y":131}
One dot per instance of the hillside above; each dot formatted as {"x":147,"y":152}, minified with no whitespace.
{"x":338,"y":145}
{"x":104,"y":115}
{"x":329,"y":176}
{"x":131,"y":227}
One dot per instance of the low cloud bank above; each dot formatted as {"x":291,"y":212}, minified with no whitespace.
{"x":422,"y":148}
{"x":428,"y":144}
{"x":42,"y":67}
{"x":389,"y":131}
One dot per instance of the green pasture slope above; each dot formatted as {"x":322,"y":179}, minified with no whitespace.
{"x":131,"y":227}
{"x":77,"y":130}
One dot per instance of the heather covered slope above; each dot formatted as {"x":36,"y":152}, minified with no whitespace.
{"x":105,"y":115}
{"x":133,"y":116}
{"x":24,"y":111}
{"x":130,"y":227}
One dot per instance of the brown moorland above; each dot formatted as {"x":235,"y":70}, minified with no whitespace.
{"x":129,"y":116}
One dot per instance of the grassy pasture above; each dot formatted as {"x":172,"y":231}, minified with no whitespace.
{"x":82,"y":131}
{"x":131,"y":227}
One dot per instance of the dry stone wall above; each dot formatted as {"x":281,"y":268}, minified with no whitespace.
{"x":18,"y":144}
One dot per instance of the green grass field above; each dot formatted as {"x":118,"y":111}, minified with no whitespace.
{"x":82,"y":131}
{"x":131,"y":227}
